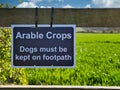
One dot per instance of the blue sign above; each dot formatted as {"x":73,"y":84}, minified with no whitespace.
{"x":43,"y":46}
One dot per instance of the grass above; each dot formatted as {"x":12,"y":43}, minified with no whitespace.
{"x":97,"y":63}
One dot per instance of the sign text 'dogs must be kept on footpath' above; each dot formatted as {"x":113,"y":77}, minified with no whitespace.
{"x":43,"y":46}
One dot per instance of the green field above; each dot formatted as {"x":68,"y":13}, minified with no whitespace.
{"x":97,"y":63}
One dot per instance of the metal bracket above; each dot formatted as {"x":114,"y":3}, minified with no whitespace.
{"x":52,"y":17}
{"x":36,"y":17}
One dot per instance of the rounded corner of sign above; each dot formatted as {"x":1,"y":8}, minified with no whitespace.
{"x":13,"y":28}
{"x":74,"y":66}
{"x":13,"y":66}
{"x":74,"y":25}
{"x":13,"y":25}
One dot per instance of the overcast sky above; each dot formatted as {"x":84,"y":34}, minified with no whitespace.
{"x":63,"y":3}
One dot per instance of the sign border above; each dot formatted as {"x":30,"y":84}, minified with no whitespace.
{"x":45,"y":25}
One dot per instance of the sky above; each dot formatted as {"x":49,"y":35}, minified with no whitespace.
{"x":63,"y":3}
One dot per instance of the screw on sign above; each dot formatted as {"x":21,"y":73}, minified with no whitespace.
{"x":45,"y":47}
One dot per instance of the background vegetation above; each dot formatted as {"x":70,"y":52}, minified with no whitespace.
{"x":9,"y":75}
{"x":97,"y":63}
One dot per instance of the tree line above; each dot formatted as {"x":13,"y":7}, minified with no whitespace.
{"x":7,"y":5}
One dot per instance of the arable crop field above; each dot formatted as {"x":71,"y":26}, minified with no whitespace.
{"x":97,"y":63}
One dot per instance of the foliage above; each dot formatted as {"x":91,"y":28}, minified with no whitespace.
{"x":8,"y":75}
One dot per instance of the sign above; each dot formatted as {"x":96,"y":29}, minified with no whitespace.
{"x":43,"y":46}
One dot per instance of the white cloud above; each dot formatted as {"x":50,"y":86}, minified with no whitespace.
{"x":68,"y":6}
{"x":45,"y":6}
{"x":107,"y":3}
{"x":35,"y":1}
{"x":42,"y":6}
{"x":27,"y":5}
{"x":55,"y":0}
{"x":88,"y":6}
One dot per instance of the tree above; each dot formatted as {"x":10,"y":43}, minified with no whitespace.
{"x":1,"y":5}
{"x":6,"y":5}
